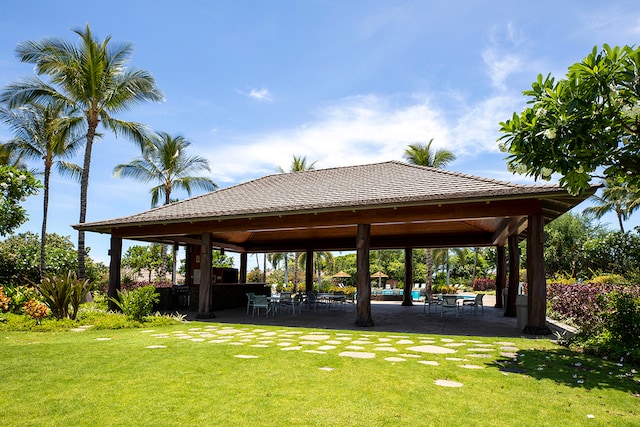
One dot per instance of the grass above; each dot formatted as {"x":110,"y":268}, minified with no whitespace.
{"x":230,"y":375}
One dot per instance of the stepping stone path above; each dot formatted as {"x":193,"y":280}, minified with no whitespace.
{"x":405,"y":349}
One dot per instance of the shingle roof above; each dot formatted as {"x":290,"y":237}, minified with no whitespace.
{"x":375,"y":184}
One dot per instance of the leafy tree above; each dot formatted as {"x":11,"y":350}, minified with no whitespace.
{"x":564,"y":240}
{"x":147,"y":258}
{"x":618,"y":197}
{"x":93,"y":78}
{"x":583,"y":126}
{"x":41,"y":132}
{"x":613,"y":252}
{"x":20,"y":259}
{"x":15,"y":185}
{"x":423,"y":155}
{"x":220,"y":260}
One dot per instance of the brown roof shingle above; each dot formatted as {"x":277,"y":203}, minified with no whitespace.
{"x":375,"y":184}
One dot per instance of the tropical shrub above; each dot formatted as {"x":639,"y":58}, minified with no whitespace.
{"x":62,"y":292}
{"x":136,"y":304}
{"x":609,"y":279}
{"x":608,"y":317}
{"x":4,"y":301}
{"x":483,"y":284}
{"x":19,"y":296}
{"x":36,"y":310}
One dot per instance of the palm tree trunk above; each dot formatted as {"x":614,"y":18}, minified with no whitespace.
{"x":84,"y":187}
{"x":45,"y":210}
{"x":429,"y":271}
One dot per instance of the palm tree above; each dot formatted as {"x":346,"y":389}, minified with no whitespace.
{"x":44,"y":132}
{"x":93,"y":78}
{"x":616,"y":197}
{"x":422,"y":155}
{"x":299,"y":164}
{"x":165,"y":161}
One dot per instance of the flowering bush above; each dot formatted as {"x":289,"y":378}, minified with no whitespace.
{"x":607,"y":315}
{"x":4,"y":301}
{"x":483,"y":284}
{"x":36,"y":310}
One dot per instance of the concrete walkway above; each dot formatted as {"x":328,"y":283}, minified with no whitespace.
{"x":388,"y":316}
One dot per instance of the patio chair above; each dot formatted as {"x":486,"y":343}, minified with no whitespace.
{"x":286,"y":301}
{"x":430,"y":300}
{"x":259,"y":302}
{"x":477,"y":302}
{"x":311,"y":299}
{"x":449,"y":302}
{"x":250,"y":299}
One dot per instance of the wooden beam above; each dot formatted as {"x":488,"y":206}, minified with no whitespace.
{"x":508,"y":227}
{"x":536,"y":283}
{"x":363,"y":282}
{"x":514,"y":276}
{"x":204,"y":295}
{"x":501,"y":274}
{"x":408,"y":277}
{"x":243,"y":268}
{"x":115,"y":264}
{"x":308,"y":273}
{"x":349,"y":217}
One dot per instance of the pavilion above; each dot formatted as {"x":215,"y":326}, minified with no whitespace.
{"x":389,"y":205}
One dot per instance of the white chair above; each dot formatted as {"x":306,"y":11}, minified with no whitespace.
{"x":449,"y":302}
{"x":287,"y":301}
{"x":430,"y":300}
{"x":477,"y":302}
{"x":250,"y":299}
{"x":259,"y":302}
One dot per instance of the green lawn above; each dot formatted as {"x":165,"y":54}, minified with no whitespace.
{"x":210,"y":374}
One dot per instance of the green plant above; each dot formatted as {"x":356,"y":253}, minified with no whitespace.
{"x":36,"y":310}
{"x":137,"y":303}
{"x":609,"y":279}
{"x":19,"y":296}
{"x":4,"y":301}
{"x":60,"y":292}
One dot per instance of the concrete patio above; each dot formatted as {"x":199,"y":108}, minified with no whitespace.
{"x":388,"y":316}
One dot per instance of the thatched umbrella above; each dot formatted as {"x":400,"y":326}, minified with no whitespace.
{"x":379,"y":275}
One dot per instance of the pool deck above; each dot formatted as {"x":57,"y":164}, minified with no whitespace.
{"x":388,"y":316}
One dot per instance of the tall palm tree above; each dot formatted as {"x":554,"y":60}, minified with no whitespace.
{"x":423,"y":155}
{"x":299,"y":164}
{"x":616,"y":197}
{"x":93,"y":78}
{"x":165,"y":161}
{"x":44,"y":132}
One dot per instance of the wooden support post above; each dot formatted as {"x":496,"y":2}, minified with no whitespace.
{"x":514,"y":276}
{"x":536,"y":283}
{"x":408,"y":277}
{"x":115,"y":264}
{"x":243,"y":268}
{"x":501,"y":274}
{"x":363,"y":282}
{"x":308,"y":272}
{"x":206,"y":270}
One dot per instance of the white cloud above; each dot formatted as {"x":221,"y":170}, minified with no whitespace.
{"x":262,"y":94}
{"x":364,"y":129}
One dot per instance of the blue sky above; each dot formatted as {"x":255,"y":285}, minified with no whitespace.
{"x":251,"y":83}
